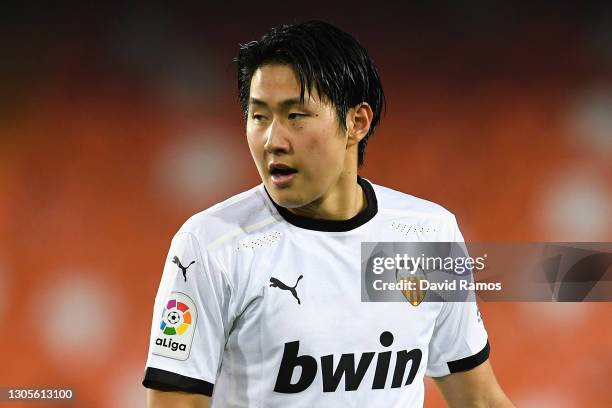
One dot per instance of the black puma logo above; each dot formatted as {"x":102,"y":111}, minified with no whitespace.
{"x":177,"y":261}
{"x":275,"y":283}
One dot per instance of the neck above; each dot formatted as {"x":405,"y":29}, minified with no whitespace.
{"x":344,"y":200}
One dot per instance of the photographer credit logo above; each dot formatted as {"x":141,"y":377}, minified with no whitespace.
{"x":176,"y":328}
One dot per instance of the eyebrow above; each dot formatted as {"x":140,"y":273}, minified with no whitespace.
{"x":287,"y":103}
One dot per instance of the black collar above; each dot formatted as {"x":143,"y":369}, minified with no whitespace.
{"x":334,"y":225}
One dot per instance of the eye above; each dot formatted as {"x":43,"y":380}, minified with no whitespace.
{"x":293,"y":116}
{"x":257,"y":117}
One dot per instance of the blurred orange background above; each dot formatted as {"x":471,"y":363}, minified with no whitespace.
{"x":118,"y":123}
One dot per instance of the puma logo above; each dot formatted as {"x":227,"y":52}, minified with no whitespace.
{"x":177,"y":261}
{"x":275,"y":283}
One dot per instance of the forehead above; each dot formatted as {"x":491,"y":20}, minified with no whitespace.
{"x":275,"y":83}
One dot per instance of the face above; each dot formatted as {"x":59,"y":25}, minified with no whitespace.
{"x":299,"y":149}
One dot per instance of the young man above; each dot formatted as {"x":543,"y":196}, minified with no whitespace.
{"x":260,"y":299}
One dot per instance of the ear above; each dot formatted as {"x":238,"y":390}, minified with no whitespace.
{"x":358,"y":121}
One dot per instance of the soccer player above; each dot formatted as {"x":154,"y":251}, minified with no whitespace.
{"x":259,"y":303}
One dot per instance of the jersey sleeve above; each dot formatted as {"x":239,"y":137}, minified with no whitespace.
{"x":190,"y":321}
{"x":459,"y":341}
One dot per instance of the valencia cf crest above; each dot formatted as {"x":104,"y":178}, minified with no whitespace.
{"x":411,"y":283}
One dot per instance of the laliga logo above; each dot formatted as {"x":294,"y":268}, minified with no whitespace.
{"x":176,"y":320}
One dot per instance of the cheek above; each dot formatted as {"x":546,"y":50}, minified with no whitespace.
{"x":324,"y":139}
{"x":257,"y":151}
{"x":255,"y":145}
{"x":324,"y":149}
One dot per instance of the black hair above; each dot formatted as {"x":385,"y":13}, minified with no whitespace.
{"x":324,"y":57}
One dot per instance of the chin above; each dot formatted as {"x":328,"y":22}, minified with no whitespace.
{"x":286,"y":198}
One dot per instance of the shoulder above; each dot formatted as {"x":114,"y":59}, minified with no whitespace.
{"x":234,"y":217}
{"x":396,"y":202}
{"x":415,"y":218}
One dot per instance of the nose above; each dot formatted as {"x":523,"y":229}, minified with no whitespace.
{"x":277,"y":141}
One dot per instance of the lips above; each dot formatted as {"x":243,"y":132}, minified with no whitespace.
{"x":281,"y":174}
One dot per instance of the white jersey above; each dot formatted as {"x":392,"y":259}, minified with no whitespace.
{"x":259,"y":307}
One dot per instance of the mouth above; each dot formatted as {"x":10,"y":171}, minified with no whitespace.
{"x":281,"y":174}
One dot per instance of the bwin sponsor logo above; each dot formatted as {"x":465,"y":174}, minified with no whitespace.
{"x":172,"y":345}
{"x":345,"y":367}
